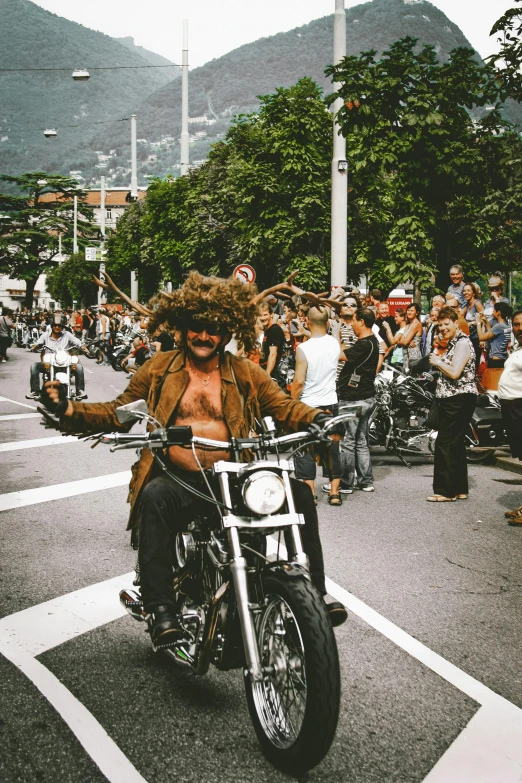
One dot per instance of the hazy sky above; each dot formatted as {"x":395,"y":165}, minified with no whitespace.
{"x":217,"y":26}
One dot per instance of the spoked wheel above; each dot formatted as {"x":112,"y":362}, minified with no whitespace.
{"x":295,"y":707}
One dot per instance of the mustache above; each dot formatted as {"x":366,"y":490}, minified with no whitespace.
{"x":202,"y":343}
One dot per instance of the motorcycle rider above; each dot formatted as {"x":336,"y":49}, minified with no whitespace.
{"x":57,"y":340}
{"x":220,"y":396}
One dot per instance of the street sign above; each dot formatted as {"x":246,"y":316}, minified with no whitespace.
{"x":90,"y":253}
{"x":245,"y":273}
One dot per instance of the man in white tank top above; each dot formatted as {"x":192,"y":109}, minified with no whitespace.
{"x":315,"y":384}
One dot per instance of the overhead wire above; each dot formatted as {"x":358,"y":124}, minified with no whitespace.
{"x":92,"y":68}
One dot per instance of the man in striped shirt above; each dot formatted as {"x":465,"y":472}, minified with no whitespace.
{"x":57,"y":340}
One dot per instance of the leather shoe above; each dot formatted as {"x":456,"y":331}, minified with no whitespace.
{"x":515,"y":513}
{"x":337,"y":613}
{"x":515,"y":521}
{"x":165,"y":630}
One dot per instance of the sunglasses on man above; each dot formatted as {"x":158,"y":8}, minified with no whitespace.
{"x":213,"y":329}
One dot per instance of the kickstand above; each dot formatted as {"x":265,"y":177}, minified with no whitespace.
{"x":404,"y":462}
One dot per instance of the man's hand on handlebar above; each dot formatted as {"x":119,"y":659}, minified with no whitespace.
{"x":318,"y":424}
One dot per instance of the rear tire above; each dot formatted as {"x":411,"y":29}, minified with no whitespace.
{"x":295,"y":708}
{"x":475,"y":457}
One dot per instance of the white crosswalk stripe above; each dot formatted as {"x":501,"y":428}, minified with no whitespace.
{"x":16,"y":445}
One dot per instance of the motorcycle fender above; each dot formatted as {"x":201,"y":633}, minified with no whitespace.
{"x":288,"y":570}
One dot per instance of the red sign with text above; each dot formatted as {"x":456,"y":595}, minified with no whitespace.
{"x":399,"y":301}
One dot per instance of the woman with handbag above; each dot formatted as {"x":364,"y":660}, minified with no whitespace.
{"x":5,"y":335}
{"x":455,"y":401}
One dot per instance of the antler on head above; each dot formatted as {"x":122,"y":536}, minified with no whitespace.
{"x":317,"y":300}
{"x":145,"y":311}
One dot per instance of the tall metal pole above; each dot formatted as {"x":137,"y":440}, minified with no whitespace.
{"x":134,"y":157}
{"x":102,"y":230}
{"x":184,"y":102}
{"x":134,"y":195}
{"x":75,"y":226}
{"x":339,"y":247}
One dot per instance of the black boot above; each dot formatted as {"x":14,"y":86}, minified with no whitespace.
{"x":166,"y":628}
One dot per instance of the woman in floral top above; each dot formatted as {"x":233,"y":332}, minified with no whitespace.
{"x":456,"y":399}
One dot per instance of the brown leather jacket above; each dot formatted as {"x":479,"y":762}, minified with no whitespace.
{"x":248,"y":394}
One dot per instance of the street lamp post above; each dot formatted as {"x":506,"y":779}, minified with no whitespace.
{"x":134,"y":163}
{"x":339,"y":246}
{"x":184,"y":160}
{"x":102,"y":231}
{"x":75,"y":225}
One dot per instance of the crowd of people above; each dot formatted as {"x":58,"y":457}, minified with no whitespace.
{"x":329,"y":358}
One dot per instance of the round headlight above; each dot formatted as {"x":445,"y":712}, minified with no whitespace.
{"x":47,"y":358}
{"x":61,"y":357}
{"x":264,"y":492}
{"x":74,"y":359}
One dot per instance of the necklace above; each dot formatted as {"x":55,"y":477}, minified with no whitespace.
{"x":204,"y":381}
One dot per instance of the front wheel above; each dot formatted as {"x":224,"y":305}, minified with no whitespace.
{"x":295,"y":707}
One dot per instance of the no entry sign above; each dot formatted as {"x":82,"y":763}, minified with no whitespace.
{"x":245,"y":273}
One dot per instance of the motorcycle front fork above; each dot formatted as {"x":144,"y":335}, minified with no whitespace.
{"x":239,"y":571}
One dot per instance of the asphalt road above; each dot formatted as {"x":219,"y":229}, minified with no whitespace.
{"x":444,"y":649}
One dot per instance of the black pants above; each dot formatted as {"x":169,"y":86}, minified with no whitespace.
{"x":450,"y":474}
{"x":512,"y":421}
{"x":38,"y":368}
{"x":165,"y":509}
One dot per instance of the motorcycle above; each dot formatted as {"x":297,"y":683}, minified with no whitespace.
{"x":21,"y":334}
{"x":122,"y":349}
{"x":399,"y":421}
{"x":60,"y":366}
{"x":93,"y":349}
{"x":241,"y":609}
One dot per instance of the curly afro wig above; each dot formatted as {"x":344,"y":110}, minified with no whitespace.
{"x":227,"y":302}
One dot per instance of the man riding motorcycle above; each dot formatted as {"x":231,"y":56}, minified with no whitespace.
{"x":57,"y":340}
{"x":219,"y":396}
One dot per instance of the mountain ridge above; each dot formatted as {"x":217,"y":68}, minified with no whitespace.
{"x":218,"y":90}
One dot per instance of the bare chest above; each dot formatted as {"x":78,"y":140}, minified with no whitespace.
{"x":201,"y":408}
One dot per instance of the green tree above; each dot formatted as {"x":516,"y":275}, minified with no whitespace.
{"x":509,"y":57}
{"x":129,"y":250}
{"x":422,"y":156}
{"x":31,"y":223}
{"x":262,"y":197}
{"x":72,"y":281}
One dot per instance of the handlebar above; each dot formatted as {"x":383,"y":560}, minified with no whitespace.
{"x":182,"y":436}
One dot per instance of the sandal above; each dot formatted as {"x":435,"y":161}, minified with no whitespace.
{"x":439,"y":499}
{"x":337,"y":500}
{"x":461,"y":497}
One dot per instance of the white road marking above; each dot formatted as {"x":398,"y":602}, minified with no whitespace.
{"x":112,"y":762}
{"x":32,"y":444}
{"x":29,"y":497}
{"x":44,"y":626}
{"x":15,"y":402}
{"x":487,"y":751}
{"x":494,"y":737}
{"x":87,"y":370}
{"x":13,"y":416}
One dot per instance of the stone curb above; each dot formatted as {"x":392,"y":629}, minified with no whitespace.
{"x":508,"y":463}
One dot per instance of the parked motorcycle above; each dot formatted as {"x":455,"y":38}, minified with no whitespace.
{"x":399,"y":419}
{"x":241,"y":609}
{"x":21,"y":334}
